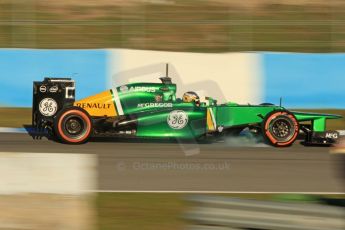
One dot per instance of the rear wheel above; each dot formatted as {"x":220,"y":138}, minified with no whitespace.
{"x":73,"y":126}
{"x":280,"y":128}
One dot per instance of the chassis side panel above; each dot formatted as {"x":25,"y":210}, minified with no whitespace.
{"x":156,"y":124}
{"x":229,"y":116}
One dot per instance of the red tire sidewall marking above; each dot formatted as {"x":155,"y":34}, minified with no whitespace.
{"x":86,"y":119}
{"x":269,"y":135}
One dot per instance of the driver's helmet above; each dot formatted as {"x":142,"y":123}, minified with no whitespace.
{"x":191,"y":97}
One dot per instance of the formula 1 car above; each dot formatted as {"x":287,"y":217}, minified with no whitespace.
{"x":151,"y":110}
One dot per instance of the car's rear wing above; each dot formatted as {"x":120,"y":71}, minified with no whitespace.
{"x":49,"y":97}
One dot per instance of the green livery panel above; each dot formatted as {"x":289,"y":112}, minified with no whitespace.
{"x":143,"y":97}
{"x":180,"y":122}
{"x":229,"y":116}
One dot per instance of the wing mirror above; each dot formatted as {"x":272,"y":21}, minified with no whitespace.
{"x":164,"y":89}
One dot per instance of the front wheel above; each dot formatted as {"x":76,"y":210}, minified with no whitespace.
{"x":73,"y":125}
{"x":280,"y":128}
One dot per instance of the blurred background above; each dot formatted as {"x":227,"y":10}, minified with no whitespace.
{"x":292,"y":48}
{"x":175,"y":25}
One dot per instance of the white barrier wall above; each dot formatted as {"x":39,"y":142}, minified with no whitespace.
{"x":47,"y":173}
{"x":47,"y":191}
{"x":226,"y":77}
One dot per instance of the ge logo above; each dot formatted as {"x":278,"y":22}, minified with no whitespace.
{"x":177,"y":119}
{"x":48,"y":107}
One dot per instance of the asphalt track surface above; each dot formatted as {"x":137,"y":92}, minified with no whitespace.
{"x":219,"y":167}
